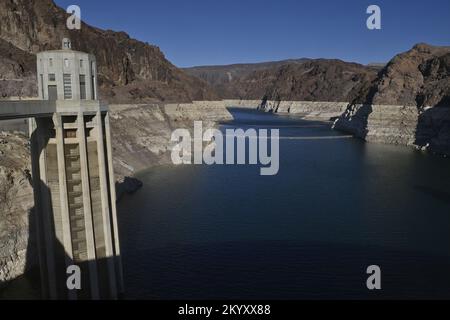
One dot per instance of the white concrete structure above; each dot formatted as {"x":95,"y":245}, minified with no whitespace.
{"x":66,"y":74}
{"x":73,"y":177}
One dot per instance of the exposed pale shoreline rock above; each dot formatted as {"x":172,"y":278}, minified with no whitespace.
{"x":309,"y":110}
{"x":423,"y":128}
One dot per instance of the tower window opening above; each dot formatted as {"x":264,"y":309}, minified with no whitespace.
{"x":67,"y":80}
{"x":81,"y":63}
{"x":51,"y":77}
{"x":66,"y":63}
{"x":42,"y":86}
{"x":70,"y":133}
{"x":50,"y":62}
{"x":82,"y":87}
{"x":52,"y":93}
{"x":93,"y":93}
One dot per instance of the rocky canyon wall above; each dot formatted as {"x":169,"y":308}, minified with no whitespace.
{"x":141,"y":133}
{"x":425,"y":128}
{"x":309,"y":110}
{"x":16,"y":202}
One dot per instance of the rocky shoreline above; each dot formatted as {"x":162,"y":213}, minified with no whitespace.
{"x":426,"y":129}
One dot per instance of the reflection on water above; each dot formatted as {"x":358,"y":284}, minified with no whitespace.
{"x":336,"y":207}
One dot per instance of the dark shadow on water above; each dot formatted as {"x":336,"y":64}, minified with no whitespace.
{"x":129,"y":185}
{"x":437,"y":194}
{"x":282,"y":270}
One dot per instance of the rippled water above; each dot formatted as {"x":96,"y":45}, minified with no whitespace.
{"x":337,"y":206}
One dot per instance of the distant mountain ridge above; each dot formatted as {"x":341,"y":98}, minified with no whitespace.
{"x":129,"y":70}
{"x":221,"y":74}
{"x":133,"y":71}
{"x":296,"y":79}
{"x":419,"y":76}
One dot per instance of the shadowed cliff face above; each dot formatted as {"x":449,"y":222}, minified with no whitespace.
{"x":129,"y":70}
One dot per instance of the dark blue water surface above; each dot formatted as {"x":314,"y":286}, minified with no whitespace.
{"x":335,"y":207}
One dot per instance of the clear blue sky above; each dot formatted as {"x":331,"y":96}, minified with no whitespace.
{"x":205,"y":32}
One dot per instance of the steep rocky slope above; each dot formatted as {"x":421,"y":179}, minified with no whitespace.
{"x":408,"y":103}
{"x":419,"y":77}
{"x":129,"y":70}
{"x":311,"y":80}
{"x":16,"y":200}
{"x":141,"y":133}
{"x":17,"y":72}
{"x":222,"y":78}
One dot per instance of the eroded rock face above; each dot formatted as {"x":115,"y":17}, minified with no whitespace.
{"x":129,"y":70}
{"x":17,"y":72}
{"x":223,"y":78}
{"x":408,"y":103}
{"x":141,"y":133}
{"x":419,"y":77}
{"x":312,"y":80}
{"x":16,"y":201}
{"x":380,"y":123}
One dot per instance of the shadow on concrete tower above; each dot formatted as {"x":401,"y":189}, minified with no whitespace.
{"x":73,"y":177}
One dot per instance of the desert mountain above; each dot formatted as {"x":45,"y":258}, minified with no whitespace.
{"x":17,"y":71}
{"x":222,"y":77}
{"x":420,"y":76}
{"x":305,"y":79}
{"x":128,"y":69}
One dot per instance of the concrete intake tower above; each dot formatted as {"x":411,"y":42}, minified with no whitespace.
{"x":73,"y":177}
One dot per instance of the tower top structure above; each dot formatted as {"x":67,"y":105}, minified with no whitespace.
{"x":67,"y":74}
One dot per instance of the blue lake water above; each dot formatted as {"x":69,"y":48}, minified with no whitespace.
{"x":337,"y":206}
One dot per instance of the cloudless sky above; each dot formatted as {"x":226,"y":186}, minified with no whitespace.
{"x":209,"y":32}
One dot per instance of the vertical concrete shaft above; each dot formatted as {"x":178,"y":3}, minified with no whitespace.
{"x":36,"y":177}
{"x":87,"y":208}
{"x":112,"y":185}
{"x":65,"y":217}
{"x":105,"y":205}
{"x":46,"y":205}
